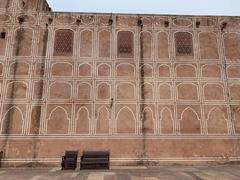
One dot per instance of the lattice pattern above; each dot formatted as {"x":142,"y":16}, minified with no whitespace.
{"x":125,"y":44}
{"x":63,"y":45}
{"x":184,"y":44}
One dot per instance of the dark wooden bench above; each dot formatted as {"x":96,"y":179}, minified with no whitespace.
{"x":95,"y":160}
{"x":69,"y":161}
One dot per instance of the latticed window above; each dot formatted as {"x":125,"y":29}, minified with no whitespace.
{"x":125,"y":44}
{"x":63,"y":45}
{"x":183,"y":44}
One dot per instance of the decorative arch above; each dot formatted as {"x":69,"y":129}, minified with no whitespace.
{"x":103,"y":91}
{"x":166,"y":121}
{"x":60,"y":90}
{"x":125,"y":121}
{"x":208,"y":45}
{"x":235,"y":92}
{"x":163,"y":45}
{"x":233,"y":71}
{"x":184,"y":44}
{"x":147,"y":69}
{"x":83,"y":121}
{"x":165,"y":91}
{"x":17,"y":90}
{"x":187,"y":91}
{"x":103,"y":121}
{"x":19,"y":69}
{"x":125,"y":70}
{"x":62,"y":69}
{"x":125,"y":91}
{"x":217,"y":121}
{"x":148,"y":90}
{"x":104,"y":43}
{"x":23,"y":39}
{"x":232,"y":45}
{"x":104,"y":70}
{"x":148,"y":121}
{"x":146,"y":40}
{"x":213,"y":92}
{"x":84,"y":91}
{"x":125,"y":44}
{"x":185,"y":71}
{"x":63,"y":43}
{"x":164,"y":71}
{"x":58,"y":121}
{"x":12,"y":121}
{"x":211,"y":71}
{"x":85,"y":70}
{"x":189,"y":122}
{"x":86,"y":43}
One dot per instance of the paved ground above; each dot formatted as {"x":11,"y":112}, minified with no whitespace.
{"x":227,"y":172}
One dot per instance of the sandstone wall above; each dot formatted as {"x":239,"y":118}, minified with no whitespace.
{"x":150,"y":88}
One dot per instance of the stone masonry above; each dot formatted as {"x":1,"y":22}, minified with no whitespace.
{"x":149,"y":88}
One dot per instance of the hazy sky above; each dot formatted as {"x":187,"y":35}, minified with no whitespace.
{"x":187,"y":7}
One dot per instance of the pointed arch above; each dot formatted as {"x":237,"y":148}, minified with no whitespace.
{"x":103,"y":121}
{"x":166,"y":121}
{"x":217,"y":121}
{"x":164,"y":71}
{"x":125,"y":70}
{"x":147,"y":89}
{"x":104,"y":43}
{"x":58,"y":121}
{"x":125,"y":120}
{"x":147,"y":69}
{"x":148,"y":121}
{"x":12,"y":121}
{"x":62,"y":69}
{"x":125,"y":91}
{"x":82,"y":121}
{"x":163,"y":45}
{"x":165,"y":91}
{"x":60,"y":90}
{"x":189,"y":122}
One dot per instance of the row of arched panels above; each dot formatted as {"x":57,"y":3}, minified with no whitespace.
{"x":62,"y":91}
{"x":64,"y":44}
{"x":122,"y":70}
{"x":60,"y":120}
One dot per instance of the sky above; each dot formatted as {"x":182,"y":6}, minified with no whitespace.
{"x":179,"y":7}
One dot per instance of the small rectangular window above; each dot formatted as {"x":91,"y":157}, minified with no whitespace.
{"x":3,"y":35}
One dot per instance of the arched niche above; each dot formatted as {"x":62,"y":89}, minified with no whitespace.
{"x":85,"y":70}
{"x":103,"y":91}
{"x":208,"y":45}
{"x":104,"y":43}
{"x":213,"y":92}
{"x":60,"y":90}
{"x":185,"y":71}
{"x":12,"y":121}
{"x":62,"y":69}
{"x":17,"y":90}
{"x":125,"y":70}
{"x":23,"y":39}
{"x":146,"y":40}
{"x":216,"y":121}
{"x":86,"y":43}
{"x":125,"y":121}
{"x":104,"y":70}
{"x":103,"y":120}
{"x":84,"y":91}
{"x":166,"y":121}
{"x":165,"y":91}
{"x":125,"y":91}
{"x":189,"y":122}
{"x":58,"y":121}
{"x":82,"y":121}
{"x":163,"y":45}
{"x":187,"y":91}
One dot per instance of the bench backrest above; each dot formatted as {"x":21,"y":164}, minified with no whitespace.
{"x":96,"y":154}
{"x":71,"y":154}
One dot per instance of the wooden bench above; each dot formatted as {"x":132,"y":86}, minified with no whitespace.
{"x":69,"y":161}
{"x":95,"y":160}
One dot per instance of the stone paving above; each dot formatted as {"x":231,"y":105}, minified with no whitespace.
{"x":226,"y":172}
